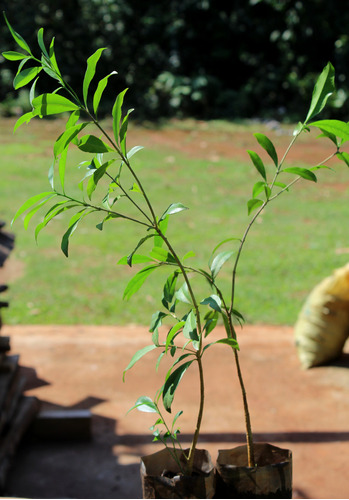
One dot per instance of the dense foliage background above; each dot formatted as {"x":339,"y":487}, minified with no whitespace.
{"x":203,"y":58}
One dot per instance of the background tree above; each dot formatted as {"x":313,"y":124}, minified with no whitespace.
{"x":204,"y":58}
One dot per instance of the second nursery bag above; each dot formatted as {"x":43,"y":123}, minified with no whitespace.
{"x":323,"y":323}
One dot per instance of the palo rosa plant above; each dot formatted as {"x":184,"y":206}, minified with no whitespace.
{"x":106,"y":189}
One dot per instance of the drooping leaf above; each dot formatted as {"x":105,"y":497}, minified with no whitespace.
{"x":169,"y":289}
{"x":190,"y":327}
{"x":253,"y":204}
{"x":324,"y":88}
{"x":344,"y":156}
{"x":269,"y":147}
{"x":213,"y":301}
{"x":90,"y":72}
{"x":99,"y":91}
{"x":305,"y":173}
{"x":137,"y":356}
{"x":336,"y":127}
{"x":137,"y":281}
{"x":96,"y":177}
{"x":139,"y":244}
{"x":258,"y":163}
{"x":74,"y":221}
{"x":51,"y":104}
{"x":211,"y":319}
{"x":92,"y":144}
{"x":61,"y":167}
{"x":171,"y":385}
{"x":25,"y":76}
{"x":156,"y":320}
{"x":219,"y":260}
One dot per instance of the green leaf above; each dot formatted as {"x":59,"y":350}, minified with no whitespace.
{"x":144,"y":404}
{"x":20,"y":41}
{"x":123,"y":131}
{"x":90,"y":72}
{"x":344,"y":157}
{"x":51,"y":104}
{"x":305,"y":173}
{"x":219,"y":261}
{"x":213,"y":301}
{"x":137,"y":281}
{"x":61,"y":167}
{"x":96,"y":177}
{"x":324,"y":88}
{"x":174,"y":208}
{"x":136,"y":357}
{"x":183,"y":294}
{"x":171,"y":385}
{"x":41,"y":42}
{"x":162,"y":255}
{"x":258,"y":163}
{"x":32,"y":201}
{"x":172,"y":333}
{"x":13,"y":56}
{"x":336,"y":127}
{"x":169,"y":289}
{"x":74,"y":221}
{"x":136,"y":259}
{"x":25,"y":76}
{"x":190,"y":327}
{"x":116,"y":113}
{"x":133,"y":151}
{"x":67,"y":137}
{"x":139,"y":244}
{"x":92,"y":144}
{"x":228,"y":341}
{"x":23,"y":119}
{"x":266,"y":144}
{"x":258,"y":188}
{"x":56,"y":73}
{"x":163,"y":224}
{"x":156,"y":320}
{"x":211,"y":319}
{"x":99,"y":91}
{"x":253,"y":204}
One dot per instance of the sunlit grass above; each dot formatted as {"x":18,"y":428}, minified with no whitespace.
{"x":298,"y":241}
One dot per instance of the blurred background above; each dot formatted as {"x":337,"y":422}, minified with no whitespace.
{"x":200,"y":58}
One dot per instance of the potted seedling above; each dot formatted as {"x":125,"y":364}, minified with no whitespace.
{"x":180,"y":330}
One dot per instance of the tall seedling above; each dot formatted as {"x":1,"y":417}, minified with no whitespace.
{"x":107,"y":182}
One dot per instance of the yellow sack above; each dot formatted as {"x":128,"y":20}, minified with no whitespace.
{"x":323,"y":323}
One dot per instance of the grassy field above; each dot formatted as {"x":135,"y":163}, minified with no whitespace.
{"x":297,"y":242}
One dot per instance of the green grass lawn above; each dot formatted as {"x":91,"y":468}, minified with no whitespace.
{"x":297,"y":242}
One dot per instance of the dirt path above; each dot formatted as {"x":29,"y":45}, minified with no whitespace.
{"x":81,"y":367}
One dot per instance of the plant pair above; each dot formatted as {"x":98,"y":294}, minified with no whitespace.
{"x":114,"y":189}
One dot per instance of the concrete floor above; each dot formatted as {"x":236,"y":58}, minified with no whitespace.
{"x":81,"y":367}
